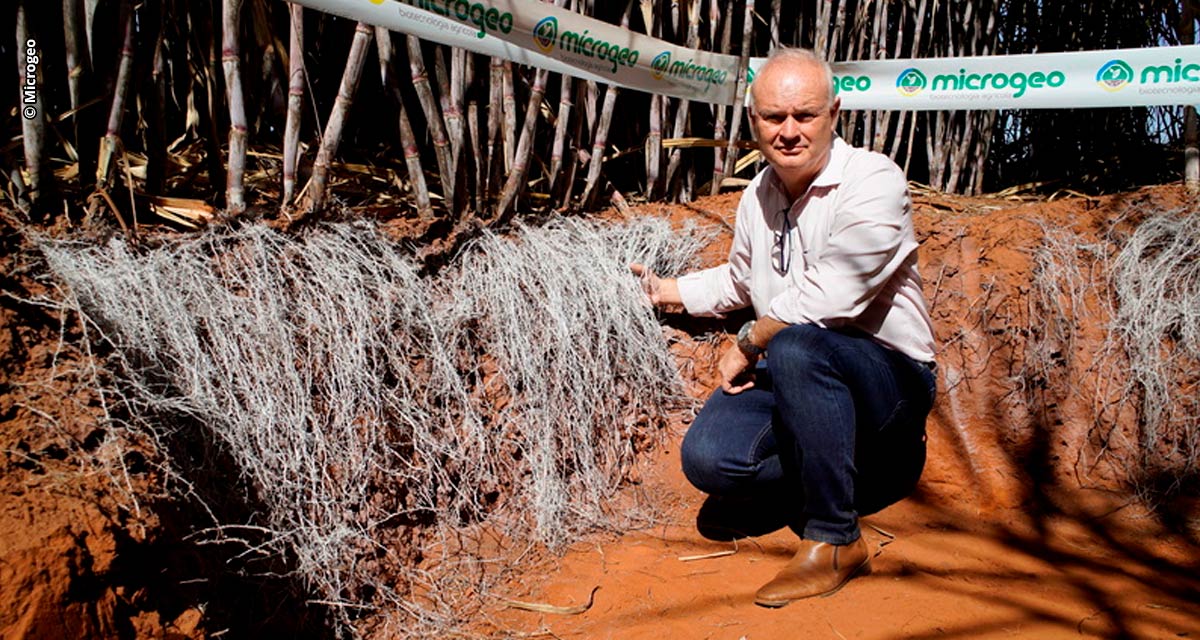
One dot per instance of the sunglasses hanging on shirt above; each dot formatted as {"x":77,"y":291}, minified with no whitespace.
{"x":783,"y":260}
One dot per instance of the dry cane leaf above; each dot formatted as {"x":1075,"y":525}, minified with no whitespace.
{"x":549,"y":608}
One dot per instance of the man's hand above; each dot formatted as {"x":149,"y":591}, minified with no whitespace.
{"x":737,"y":370}
{"x":661,"y":292}
{"x":651,"y":283}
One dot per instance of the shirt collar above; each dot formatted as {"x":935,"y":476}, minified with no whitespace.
{"x":830,"y":176}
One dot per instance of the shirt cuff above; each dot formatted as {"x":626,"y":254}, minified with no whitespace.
{"x":695,"y":293}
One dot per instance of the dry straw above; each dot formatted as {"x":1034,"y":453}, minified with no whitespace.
{"x":361,"y":403}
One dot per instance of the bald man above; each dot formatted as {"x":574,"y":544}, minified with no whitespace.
{"x":820,"y":417}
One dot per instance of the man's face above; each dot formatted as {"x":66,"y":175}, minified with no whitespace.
{"x":793,"y":120}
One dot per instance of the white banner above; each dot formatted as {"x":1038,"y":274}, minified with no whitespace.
{"x":1114,"y":78}
{"x":544,"y":36}
{"x":541,"y":35}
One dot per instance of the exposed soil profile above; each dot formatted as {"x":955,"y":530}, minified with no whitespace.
{"x":1023,"y":525}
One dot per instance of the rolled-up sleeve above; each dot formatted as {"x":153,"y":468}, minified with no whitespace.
{"x":869,"y":240}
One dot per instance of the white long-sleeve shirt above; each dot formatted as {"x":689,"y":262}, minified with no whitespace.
{"x":853,"y":255}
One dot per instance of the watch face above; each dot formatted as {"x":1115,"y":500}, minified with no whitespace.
{"x":743,"y":340}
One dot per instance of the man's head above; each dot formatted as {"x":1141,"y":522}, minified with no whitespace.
{"x":793,"y":112}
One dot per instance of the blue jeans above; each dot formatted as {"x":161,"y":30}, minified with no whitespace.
{"x":833,"y":428}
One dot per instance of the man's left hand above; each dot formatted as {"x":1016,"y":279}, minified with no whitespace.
{"x":737,"y":370}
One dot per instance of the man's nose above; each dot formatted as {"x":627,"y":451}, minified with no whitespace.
{"x":790,"y":128}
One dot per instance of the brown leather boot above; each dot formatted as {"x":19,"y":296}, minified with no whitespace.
{"x":817,"y":569}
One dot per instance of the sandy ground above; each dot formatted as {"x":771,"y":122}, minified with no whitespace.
{"x":1092,"y":569}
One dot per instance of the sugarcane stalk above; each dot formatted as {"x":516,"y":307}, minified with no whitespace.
{"x":591,"y":102}
{"x":154,"y":99}
{"x":901,"y":120}
{"x":987,"y":119}
{"x":776,"y":10}
{"x":654,"y":138}
{"x":433,"y":117}
{"x":961,"y":137}
{"x":79,"y":87}
{"x":874,"y":47}
{"x":206,"y":65}
{"x":509,"y":132}
{"x":235,"y":201}
{"x":412,"y":153}
{"x":1191,"y":128}
{"x":857,"y":40}
{"x":565,"y":104}
{"x":295,"y":104}
{"x":916,"y":52}
{"x":454,"y":110}
{"x":600,"y":140}
{"x":89,"y":14}
{"x":912,"y":141}
{"x":495,"y":113}
{"x":117,"y":109}
{"x":32,"y":112}
{"x":516,"y":178}
{"x":821,"y":43}
{"x":683,"y":109}
{"x":722,"y":112}
{"x":478,"y":146}
{"x":572,"y":168}
{"x":739,"y":99}
{"x":933,"y":149}
{"x":333,"y":128}
{"x":452,"y":114}
{"x":599,"y":143}
{"x":714,"y":20}
{"x":836,"y":41}
{"x":654,"y":146}
{"x":452,"y":119}
{"x":443,"y":84}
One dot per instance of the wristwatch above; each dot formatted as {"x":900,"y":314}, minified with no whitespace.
{"x":744,"y":343}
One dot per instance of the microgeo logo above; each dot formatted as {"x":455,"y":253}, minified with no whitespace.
{"x":545,"y":33}
{"x":910,"y":82}
{"x":1114,"y":75}
{"x":1165,"y":73}
{"x":484,"y":17}
{"x":662,"y":66}
{"x":846,"y":84}
{"x":658,"y":66}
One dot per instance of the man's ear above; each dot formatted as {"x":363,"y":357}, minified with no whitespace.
{"x":835,"y":109}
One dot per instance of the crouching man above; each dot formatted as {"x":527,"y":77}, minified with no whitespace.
{"x":822,"y":406}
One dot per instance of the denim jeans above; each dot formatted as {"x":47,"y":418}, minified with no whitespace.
{"x":833,"y":428}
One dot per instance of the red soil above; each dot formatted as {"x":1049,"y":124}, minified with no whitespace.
{"x":1018,"y":528}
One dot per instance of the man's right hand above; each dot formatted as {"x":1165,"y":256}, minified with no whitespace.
{"x":661,"y":292}
{"x":651,"y":283}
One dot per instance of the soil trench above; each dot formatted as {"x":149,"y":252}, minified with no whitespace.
{"x":1019,"y":527}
